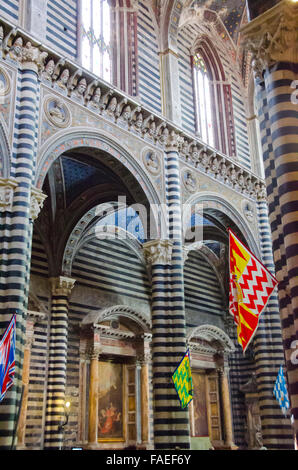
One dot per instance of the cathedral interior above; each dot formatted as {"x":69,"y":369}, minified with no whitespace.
{"x":133,"y":135}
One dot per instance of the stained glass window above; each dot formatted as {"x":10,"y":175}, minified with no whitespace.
{"x":96,"y":32}
{"x":203,"y":101}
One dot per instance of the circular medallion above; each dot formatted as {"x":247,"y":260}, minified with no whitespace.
{"x":151,"y":161}
{"x":57,"y":112}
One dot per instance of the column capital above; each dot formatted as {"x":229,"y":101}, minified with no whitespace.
{"x":62,"y":285}
{"x":37,"y":201}
{"x":172,"y":144}
{"x":158,"y":252}
{"x":144,"y":358}
{"x":273,"y":36}
{"x":32,"y":58}
{"x":7,"y":187}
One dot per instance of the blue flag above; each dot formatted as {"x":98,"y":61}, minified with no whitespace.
{"x":280,"y":391}
{"x":7,"y":357}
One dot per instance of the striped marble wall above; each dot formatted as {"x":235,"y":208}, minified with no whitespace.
{"x":37,"y":388}
{"x":149,"y":76}
{"x":62,"y":26}
{"x":185,"y":40}
{"x":241,"y":369}
{"x":109,"y":266}
{"x":203,"y":298}
{"x":39,"y":351}
{"x":39,"y":262}
{"x":239,"y":111}
{"x":10,"y":10}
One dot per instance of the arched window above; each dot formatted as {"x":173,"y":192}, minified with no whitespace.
{"x":214,"y":119}
{"x":96,"y":37}
{"x":203,"y":100}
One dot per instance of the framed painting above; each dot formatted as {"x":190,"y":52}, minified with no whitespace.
{"x":111,"y":401}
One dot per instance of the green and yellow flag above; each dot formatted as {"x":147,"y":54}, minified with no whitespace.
{"x":183,"y":381}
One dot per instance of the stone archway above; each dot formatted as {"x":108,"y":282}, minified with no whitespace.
{"x":213,"y":201}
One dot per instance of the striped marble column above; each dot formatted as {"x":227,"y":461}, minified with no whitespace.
{"x":268,"y":351}
{"x":272,"y":39}
{"x":56,"y":384}
{"x":16,"y":226}
{"x":171,"y":422}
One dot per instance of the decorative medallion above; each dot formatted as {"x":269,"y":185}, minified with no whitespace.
{"x":248,"y":210}
{"x":57,"y":112}
{"x":151,"y":161}
{"x":189,"y":181}
{"x":4,"y":83}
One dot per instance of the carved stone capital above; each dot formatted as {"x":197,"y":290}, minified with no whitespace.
{"x":144,"y":358}
{"x":273,"y":36}
{"x":94,"y":351}
{"x":158,"y":252}
{"x":27,"y":55}
{"x":173,"y":142}
{"x":62,"y":285}
{"x":7,"y":187}
{"x":37,"y":201}
{"x":29,"y":339}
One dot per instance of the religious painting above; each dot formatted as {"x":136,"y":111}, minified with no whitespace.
{"x":200,"y":405}
{"x":110,"y":402}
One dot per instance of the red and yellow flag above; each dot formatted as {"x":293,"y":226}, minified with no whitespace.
{"x":251,"y":285}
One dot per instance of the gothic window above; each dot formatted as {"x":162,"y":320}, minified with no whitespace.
{"x":212,"y":98}
{"x":96,"y":37}
{"x":203,"y":101}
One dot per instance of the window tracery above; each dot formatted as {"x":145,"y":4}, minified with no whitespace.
{"x":96,"y":37}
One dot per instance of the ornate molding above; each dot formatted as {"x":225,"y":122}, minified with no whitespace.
{"x":89,"y":91}
{"x":95,"y":318}
{"x":158,"y":252}
{"x":62,"y":285}
{"x":211,"y":333}
{"x":28,"y":56}
{"x":37,"y":201}
{"x":272,"y":37}
{"x":7,"y":188}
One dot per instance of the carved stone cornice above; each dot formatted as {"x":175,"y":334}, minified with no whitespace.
{"x":64,"y":77}
{"x":106,"y":331}
{"x":37,"y":201}
{"x":35,"y":317}
{"x":158,"y":252}
{"x":7,"y":187}
{"x":62,"y":285}
{"x":273,"y":36}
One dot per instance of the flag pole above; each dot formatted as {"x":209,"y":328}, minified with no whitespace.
{"x":18,"y":417}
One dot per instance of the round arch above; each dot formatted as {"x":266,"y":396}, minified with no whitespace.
{"x":84,"y":138}
{"x":211,"y":333}
{"x":75,"y":242}
{"x":214,"y":201}
{"x":94,"y":318}
{"x":211,"y":259}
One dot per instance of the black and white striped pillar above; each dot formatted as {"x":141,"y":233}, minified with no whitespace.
{"x":57,"y":359}
{"x":171,"y":422}
{"x":268,"y":351}
{"x":272,"y":40}
{"x":16,"y":227}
